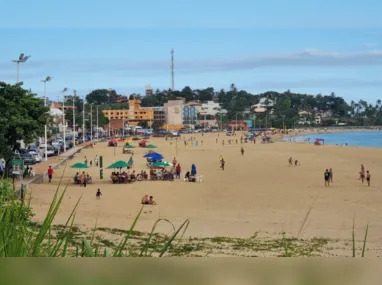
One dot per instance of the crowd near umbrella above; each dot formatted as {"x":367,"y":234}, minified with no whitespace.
{"x":118,"y":164}
{"x":79,"y":165}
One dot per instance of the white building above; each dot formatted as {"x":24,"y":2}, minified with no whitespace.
{"x":263,"y":105}
{"x":174,"y":112}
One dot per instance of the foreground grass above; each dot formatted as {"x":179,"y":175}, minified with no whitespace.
{"x":19,"y":237}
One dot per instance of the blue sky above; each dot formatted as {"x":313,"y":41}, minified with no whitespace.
{"x":309,"y":47}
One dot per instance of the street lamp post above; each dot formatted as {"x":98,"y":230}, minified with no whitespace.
{"x":236,"y":123}
{"x":74,"y":118}
{"x":22,"y":59}
{"x":97,"y":124}
{"x":91,"y":122}
{"x":47,"y":79}
{"x":63,"y":116}
{"x":83,"y":118}
{"x":283,"y":123}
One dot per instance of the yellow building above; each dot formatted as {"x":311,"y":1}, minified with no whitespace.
{"x":134,"y":114}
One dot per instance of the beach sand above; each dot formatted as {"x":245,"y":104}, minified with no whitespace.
{"x":257,"y":192}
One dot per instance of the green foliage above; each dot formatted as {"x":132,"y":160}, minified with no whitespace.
{"x":22,"y":117}
{"x":143,"y":124}
{"x":98,"y":96}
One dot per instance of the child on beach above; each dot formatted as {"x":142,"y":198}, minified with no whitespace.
{"x":368,"y":176}
{"x":242,"y":151}
{"x":327,"y":178}
{"x":362,"y":175}
{"x":98,"y":194}
{"x":290,"y":161}
{"x":331,"y":175}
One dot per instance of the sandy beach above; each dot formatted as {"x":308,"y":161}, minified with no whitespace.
{"x":257,"y":192}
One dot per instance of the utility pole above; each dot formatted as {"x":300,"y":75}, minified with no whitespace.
{"x":123,"y":127}
{"x":74,"y":118}
{"x":97,"y":124}
{"x":47,"y":79}
{"x":91,"y":122}
{"x":21,"y":59}
{"x":109,"y":121}
{"x":172,"y":71}
{"x":63,"y":116}
{"x":83,"y":118}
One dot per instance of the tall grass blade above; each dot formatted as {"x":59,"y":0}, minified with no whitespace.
{"x":168,"y":243}
{"x":353,"y":236}
{"x":148,"y":240}
{"x":364,"y":241}
{"x":121,"y":247}
{"x":107,"y":252}
{"x":87,"y":249}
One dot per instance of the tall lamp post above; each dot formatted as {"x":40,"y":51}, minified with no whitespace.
{"x":74,"y":118}
{"x":63,"y":116}
{"x":47,"y":79}
{"x":22,"y":59}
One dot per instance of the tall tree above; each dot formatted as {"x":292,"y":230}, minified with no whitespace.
{"x":98,"y":97}
{"x":22,"y":117}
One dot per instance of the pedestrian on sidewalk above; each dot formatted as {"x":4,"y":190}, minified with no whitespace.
{"x":50,"y":173}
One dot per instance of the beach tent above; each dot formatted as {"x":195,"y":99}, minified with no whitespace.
{"x":193,"y":170}
{"x":118,"y":164}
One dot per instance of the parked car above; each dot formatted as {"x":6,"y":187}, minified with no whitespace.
{"x":56,"y":149}
{"x":28,"y":159}
{"x":50,"y":150}
{"x":69,"y":143}
{"x":36,"y":155}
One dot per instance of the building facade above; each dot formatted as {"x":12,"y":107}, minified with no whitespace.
{"x":148,"y":90}
{"x":190,"y":114}
{"x":174,"y":114}
{"x":135,"y":113}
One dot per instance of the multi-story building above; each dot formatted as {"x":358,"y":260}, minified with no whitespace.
{"x":208,"y":112}
{"x":133,"y":115}
{"x":190,"y":113}
{"x":174,"y":114}
{"x":159,"y":114}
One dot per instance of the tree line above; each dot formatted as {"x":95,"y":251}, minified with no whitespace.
{"x":285,"y":109}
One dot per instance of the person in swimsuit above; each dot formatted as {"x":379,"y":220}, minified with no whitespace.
{"x":151,"y":201}
{"x":222,"y":163}
{"x":327,"y":178}
{"x":362,"y":175}
{"x":362,"y":170}
{"x":368,"y":176}
{"x":296,"y":162}
{"x":290,"y":161}
{"x":98,"y":194}
{"x":145,"y":200}
{"x":330,"y":175}
{"x":242,"y":151}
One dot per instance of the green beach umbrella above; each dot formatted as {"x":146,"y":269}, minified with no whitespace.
{"x":79,"y":165}
{"x":160,"y":164}
{"x":151,"y":146}
{"x":129,"y":146}
{"x":118,"y":164}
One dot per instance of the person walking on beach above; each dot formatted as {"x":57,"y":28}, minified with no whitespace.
{"x":50,"y":173}
{"x":368,"y":176}
{"x":330,"y":175}
{"x":178,"y":169}
{"x":222,"y":163}
{"x":327,"y":178}
{"x":98,"y":194}
{"x":290,"y":161}
{"x":86,"y":160}
{"x":96,"y":160}
{"x":242,"y":151}
{"x":362,"y":171}
{"x":296,"y":163}
{"x":362,"y":175}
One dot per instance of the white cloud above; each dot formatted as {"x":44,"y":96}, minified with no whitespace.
{"x":304,"y":58}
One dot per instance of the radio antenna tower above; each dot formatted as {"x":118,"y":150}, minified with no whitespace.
{"x":172,"y":70}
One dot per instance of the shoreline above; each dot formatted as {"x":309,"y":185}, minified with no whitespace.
{"x":325,"y":132}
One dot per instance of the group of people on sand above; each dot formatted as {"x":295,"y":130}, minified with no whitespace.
{"x":126,"y":177}
{"x":146,"y":200}
{"x":82,"y":179}
{"x":96,"y":160}
{"x":363,"y":175}
{"x":290,"y":161}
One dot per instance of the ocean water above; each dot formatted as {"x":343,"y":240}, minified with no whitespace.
{"x":364,"y":139}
